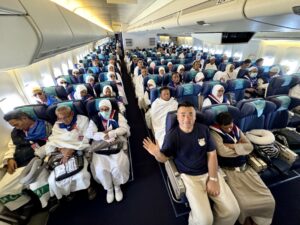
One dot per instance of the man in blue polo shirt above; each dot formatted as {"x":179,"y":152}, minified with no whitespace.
{"x":195,"y":157}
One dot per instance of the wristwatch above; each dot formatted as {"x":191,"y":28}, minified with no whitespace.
{"x":214,"y":179}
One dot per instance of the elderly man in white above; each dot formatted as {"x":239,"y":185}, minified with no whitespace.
{"x":109,"y":166}
{"x":68,"y":138}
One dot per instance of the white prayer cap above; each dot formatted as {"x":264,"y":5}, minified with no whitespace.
{"x":60,"y":80}
{"x":105,"y":87}
{"x":199,"y":77}
{"x":75,"y":71}
{"x":275,"y":69}
{"x":161,"y":68}
{"x":88,"y":78}
{"x":149,"y":60}
{"x":212,"y":57}
{"x":179,"y":68}
{"x":104,"y":102}
{"x":169,"y":63}
{"x":151,"y":82}
{"x":252,"y":68}
{"x":36,"y":89}
{"x":152,"y":64}
{"x":81,"y":88}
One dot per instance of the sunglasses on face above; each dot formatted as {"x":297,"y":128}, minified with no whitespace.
{"x":38,"y":93}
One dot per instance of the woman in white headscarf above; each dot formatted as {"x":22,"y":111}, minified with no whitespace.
{"x":161,"y":71}
{"x":199,"y":78}
{"x":110,"y":166}
{"x":112,"y":76}
{"x":216,"y":96}
{"x":91,"y":81}
{"x":150,"y":85}
{"x":108,"y":92}
{"x":181,"y":71}
{"x":81,"y":93}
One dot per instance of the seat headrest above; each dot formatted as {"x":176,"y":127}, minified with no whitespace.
{"x":188,"y":89}
{"x":282,"y":101}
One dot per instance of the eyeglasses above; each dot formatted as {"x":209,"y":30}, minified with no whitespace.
{"x":104,"y":109}
{"x":38,"y":93}
{"x":63,"y":82}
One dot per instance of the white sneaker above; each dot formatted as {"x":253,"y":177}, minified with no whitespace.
{"x":118,"y":193}
{"x":110,"y":196}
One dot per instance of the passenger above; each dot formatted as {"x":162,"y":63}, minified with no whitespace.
{"x":216,"y":96}
{"x":152,"y":67}
{"x":81,"y":93}
{"x":42,"y":98}
{"x":196,"y":66}
{"x":229,"y":74}
{"x":264,"y":80}
{"x":110,"y":167}
{"x":255,"y":199}
{"x":243,"y":69}
{"x":76,"y":77}
{"x":161,"y":71}
{"x":223,"y":64}
{"x":211,"y":65}
{"x":111,"y":69}
{"x":181,"y":72}
{"x":259,"y":65}
{"x":61,"y":81}
{"x":199,"y":78}
{"x":117,"y":67}
{"x":109,"y":93}
{"x":158,"y":113}
{"x":112,"y":76}
{"x":150,"y":85}
{"x":27,"y":141}
{"x":91,"y":81}
{"x":170,"y":67}
{"x":137,"y":70}
{"x":196,"y":160}
{"x":67,"y":139}
{"x":252,"y":77}
{"x":175,"y":80}
{"x":139,"y":87}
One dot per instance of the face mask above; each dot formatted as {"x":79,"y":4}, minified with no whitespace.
{"x":105,"y":114}
{"x":253,"y":75}
{"x":64,"y":85}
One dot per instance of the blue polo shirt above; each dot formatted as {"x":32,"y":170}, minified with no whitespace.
{"x":189,"y":150}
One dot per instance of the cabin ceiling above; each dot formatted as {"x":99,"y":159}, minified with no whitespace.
{"x":114,"y":15}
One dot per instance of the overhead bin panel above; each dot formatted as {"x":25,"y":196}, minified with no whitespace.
{"x":280,"y":12}
{"x":18,"y":42}
{"x":211,"y":12}
{"x":55,"y":32}
{"x":83,"y":30}
{"x":11,"y":7}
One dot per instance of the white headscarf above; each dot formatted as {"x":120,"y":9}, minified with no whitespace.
{"x":60,"y":80}
{"x":179,"y":68}
{"x":215,"y":90}
{"x":162,"y":68}
{"x":111,"y":90}
{"x":108,"y":75}
{"x":89,"y":77}
{"x":199,"y":78}
{"x":105,"y":102}
{"x":152,"y":64}
{"x":79,"y":88}
{"x":152,"y":82}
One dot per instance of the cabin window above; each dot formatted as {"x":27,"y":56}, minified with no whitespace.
{"x":57,"y":72}
{"x":9,"y":102}
{"x":268,"y":61}
{"x":289,"y":66}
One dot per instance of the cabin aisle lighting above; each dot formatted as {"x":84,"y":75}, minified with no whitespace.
{"x":77,"y":7}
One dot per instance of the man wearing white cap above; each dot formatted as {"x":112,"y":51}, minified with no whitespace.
{"x":109,"y":166}
{"x":211,"y":65}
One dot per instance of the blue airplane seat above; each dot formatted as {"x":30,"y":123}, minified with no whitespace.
{"x":212,"y":111}
{"x":208,"y":86}
{"x":102,"y":77}
{"x":92,"y":106}
{"x":189,"y":92}
{"x":166,"y":79}
{"x":281,"y":85}
{"x":189,"y":76}
{"x":157,"y":79}
{"x":236,"y":89}
{"x":77,"y":107}
{"x":187,"y":67}
{"x":209,"y":74}
{"x":99,"y":87}
{"x":154,"y":93}
{"x":37,"y":111}
{"x":57,"y":91}
{"x":255,"y":113}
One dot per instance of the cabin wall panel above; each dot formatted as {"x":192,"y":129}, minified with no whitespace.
{"x":140,"y":40}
